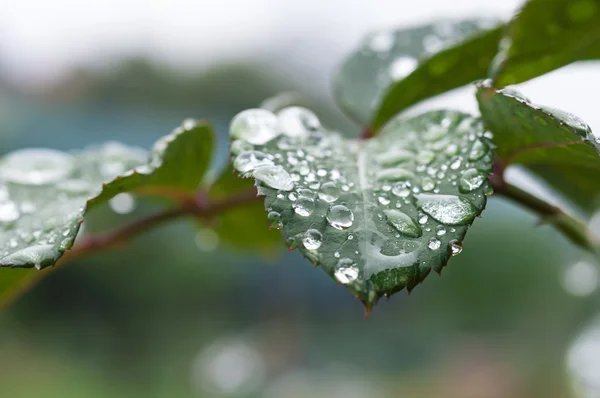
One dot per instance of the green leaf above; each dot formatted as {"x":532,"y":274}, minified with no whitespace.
{"x":244,"y":226}
{"x":555,"y":145}
{"x":392,"y":70}
{"x":546,"y":35}
{"x":377,"y":215}
{"x":44,"y":194}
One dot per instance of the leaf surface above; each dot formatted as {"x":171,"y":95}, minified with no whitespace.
{"x":394,"y":69}
{"x":376,"y":215}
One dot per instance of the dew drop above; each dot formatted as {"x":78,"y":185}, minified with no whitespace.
{"x":250,"y":160}
{"x":275,"y":177}
{"x":274,"y":219}
{"x":256,"y":126}
{"x":340,"y":217}
{"x":427,"y":184}
{"x":312,"y":239}
{"x":423,"y":219}
{"x":434,"y":244}
{"x":470,"y":180}
{"x":447,"y":209}
{"x":455,"y":247}
{"x":336,"y":254}
{"x":440,"y":230}
{"x":36,"y":166}
{"x":425,"y":157}
{"x":478,"y":150}
{"x":383,"y":199}
{"x":402,"y":67}
{"x":346,"y":271}
{"x":9,"y":212}
{"x":403,"y":223}
{"x":122,"y":203}
{"x":329,"y":192}
{"x":401,"y":190}
{"x":304,"y":206}
{"x":297,"y":121}
{"x":455,"y":163}
{"x":307,"y":193}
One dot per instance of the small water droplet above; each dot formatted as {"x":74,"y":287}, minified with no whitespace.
{"x":250,"y":160}
{"x":455,"y":163}
{"x":447,"y":209}
{"x":312,"y":239}
{"x":427,"y":184}
{"x":434,"y":244}
{"x":307,"y":193}
{"x":122,"y":203}
{"x":275,"y":177}
{"x":346,"y":271}
{"x":456,"y":247}
{"x":321,"y":172}
{"x":470,"y":180}
{"x":304,"y":206}
{"x":36,"y":166}
{"x":383,"y":199}
{"x":274,"y":219}
{"x":423,"y":219}
{"x":401,"y":190}
{"x":340,"y":217}
{"x":478,"y":150}
{"x":9,"y":212}
{"x":336,"y":254}
{"x":403,"y":223}
{"x":425,"y":157}
{"x":256,"y":126}
{"x":440,"y":230}
{"x":27,"y":207}
{"x":329,"y":192}
{"x":381,"y":42}
{"x":402,"y":67}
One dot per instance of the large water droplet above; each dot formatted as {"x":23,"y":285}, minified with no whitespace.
{"x":274,"y":219}
{"x":296,"y":121}
{"x":402,"y":67}
{"x":478,"y":150}
{"x":401,"y":190}
{"x":8,"y":212}
{"x":122,"y":203}
{"x":427,"y":184}
{"x":329,"y":192}
{"x":346,"y":271}
{"x":340,"y":217}
{"x":257,"y":126}
{"x":455,"y":247}
{"x":434,"y":244}
{"x":36,"y":166}
{"x":403,"y":223}
{"x":312,"y":239}
{"x":447,"y":209}
{"x":275,"y":177}
{"x":304,"y":206}
{"x":470,"y":180}
{"x":250,"y":160}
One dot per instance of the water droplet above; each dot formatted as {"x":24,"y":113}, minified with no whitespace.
{"x":478,"y":150}
{"x":292,"y":196}
{"x":455,"y":162}
{"x":346,"y":271}
{"x":427,"y":184}
{"x":312,"y":239}
{"x":122,"y":203}
{"x":434,"y":244}
{"x":8,"y":212}
{"x":307,"y":193}
{"x":455,"y":247}
{"x":275,"y":177}
{"x":401,"y":190}
{"x":296,"y":121}
{"x":274,"y":219}
{"x":425,"y":157}
{"x":451,"y":150}
{"x":395,"y":175}
{"x":256,"y":126}
{"x":329,"y":192}
{"x":423,"y":219}
{"x":571,"y":120}
{"x":340,"y":217}
{"x":336,"y":254}
{"x":383,"y":199}
{"x":440,"y":230}
{"x":447,"y":209}
{"x":250,"y":160}
{"x":36,"y":166}
{"x":470,"y":180}
{"x":394,"y":157}
{"x":403,"y":223}
{"x":402,"y":67}
{"x":304,"y":206}
{"x":207,"y":240}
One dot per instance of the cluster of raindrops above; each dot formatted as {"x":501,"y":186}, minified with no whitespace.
{"x":421,"y":181}
{"x":43,"y":194}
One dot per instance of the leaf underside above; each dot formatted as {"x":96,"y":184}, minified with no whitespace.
{"x":546,"y":35}
{"x":376,"y":215}
{"x":44,"y":194}
{"x":554,"y":145}
{"x":392,"y":70}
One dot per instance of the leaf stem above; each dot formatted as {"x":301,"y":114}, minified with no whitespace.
{"x":574,"y":229}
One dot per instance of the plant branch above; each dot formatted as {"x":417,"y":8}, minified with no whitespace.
{"x":574,"y":229}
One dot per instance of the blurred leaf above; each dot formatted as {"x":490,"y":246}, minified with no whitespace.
{"x":244,"y":226}
{"x":546,"y":35}
{"x":392,"y":70}
{"x":555,"y":145}
{"x":46,"y":193}
{"x":377,"y":215}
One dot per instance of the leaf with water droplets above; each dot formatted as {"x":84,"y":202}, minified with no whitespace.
{"x":376,"y":215}
{"x":546,"y":35}
{"x":556,"y":146}
{"x":394,"y":69}
{"x":44,"y":193}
